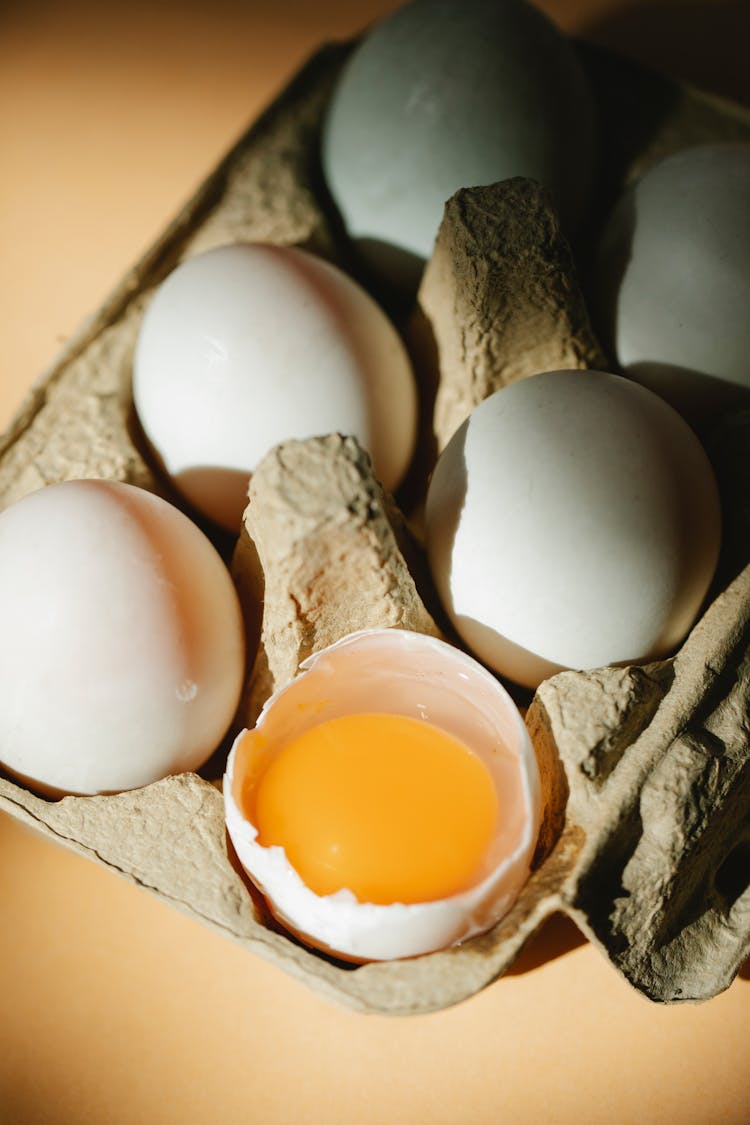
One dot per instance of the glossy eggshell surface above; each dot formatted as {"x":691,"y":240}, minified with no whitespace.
{"x":572,"y":522}
{"x":441,"y":95}
{"x":410,"y":674}
{"x":123,"y":648}
{"x":248,"y":345}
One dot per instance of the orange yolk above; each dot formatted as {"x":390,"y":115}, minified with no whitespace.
{"x":390,"y":807}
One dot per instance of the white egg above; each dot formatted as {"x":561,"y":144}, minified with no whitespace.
{"x":673,"y":278}
{"x":405,"y":674}
{"x":123,"y":649}
{"x":247,"y":345}
{"x":441,"y":95}
{"x":572,"y":522}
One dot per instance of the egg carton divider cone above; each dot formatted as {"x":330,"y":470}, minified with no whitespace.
{"x":646,"y":770}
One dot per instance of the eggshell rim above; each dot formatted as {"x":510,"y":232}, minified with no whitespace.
{"x":383,"y":933}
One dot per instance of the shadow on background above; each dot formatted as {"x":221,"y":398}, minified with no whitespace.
{"x":557,"y":936}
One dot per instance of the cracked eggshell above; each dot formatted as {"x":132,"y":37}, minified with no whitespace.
{"x":248,"y":345}
{"x":123,"y":647}
{"x":572,"y":521}
{"x":410,"y":674}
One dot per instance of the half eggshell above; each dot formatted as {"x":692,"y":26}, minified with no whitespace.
{"x":398,"y":672}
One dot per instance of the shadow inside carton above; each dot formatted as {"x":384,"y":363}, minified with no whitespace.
{"x":704,"y":44}
{"x":633,"y":106}
{"x":217,"y":489}
{"x":213,"y":768}
{"x":391,"y":272}
{"x":206,"y":480}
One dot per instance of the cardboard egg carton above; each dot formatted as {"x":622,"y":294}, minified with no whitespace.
{"x":646,"y":770}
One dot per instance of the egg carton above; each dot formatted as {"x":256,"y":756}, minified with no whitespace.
{"x":646,"y":770}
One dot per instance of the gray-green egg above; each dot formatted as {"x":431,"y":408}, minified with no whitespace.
{"x":672,"y":279}
{"x":442,"y":95}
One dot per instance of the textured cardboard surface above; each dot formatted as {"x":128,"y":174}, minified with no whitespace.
{"x":169,"y":838}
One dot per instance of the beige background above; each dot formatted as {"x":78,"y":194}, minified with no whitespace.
{"x":114,"y":1008}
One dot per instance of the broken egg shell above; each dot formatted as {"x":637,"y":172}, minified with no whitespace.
{"x":393,"y":671}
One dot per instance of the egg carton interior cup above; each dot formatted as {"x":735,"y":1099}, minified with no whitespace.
{"x":646,"y":844}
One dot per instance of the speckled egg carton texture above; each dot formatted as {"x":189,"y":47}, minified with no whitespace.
{"x":646,"y":770}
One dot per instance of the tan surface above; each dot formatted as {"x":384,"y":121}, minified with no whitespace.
{"x":115,"y":1008}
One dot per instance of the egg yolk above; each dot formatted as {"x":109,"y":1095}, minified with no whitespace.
{"x":390,"y":807}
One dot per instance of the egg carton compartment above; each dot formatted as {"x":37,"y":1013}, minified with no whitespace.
{"x":646,"y":770}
